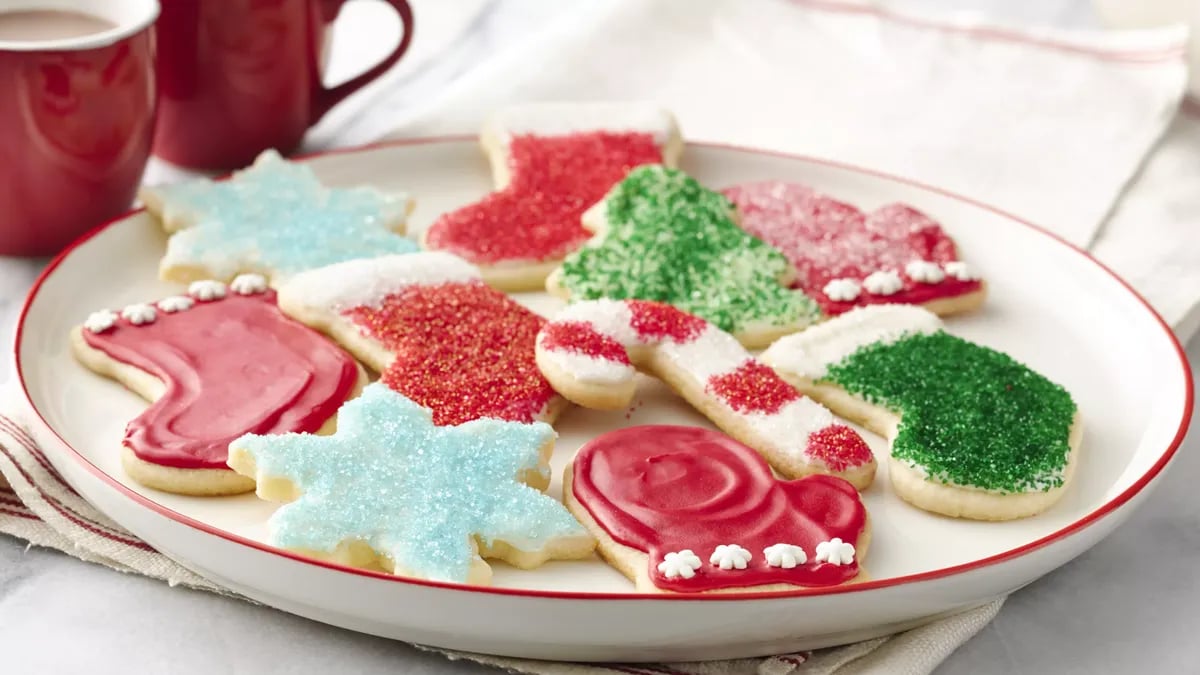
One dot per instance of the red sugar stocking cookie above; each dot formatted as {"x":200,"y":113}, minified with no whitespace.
{"x":845,"y":258}
{"x":691,"y":510}
{"x":217,"y":363}
{"x":591,"y":351}
{"x":436,"y":333}
{"x":551,"y":161}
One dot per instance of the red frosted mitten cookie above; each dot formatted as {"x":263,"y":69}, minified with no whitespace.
{"x":691,"y":510}
{"x":218,"y":363}
{"x":591,"y":351}
{"x":845,"y":258}
{"x":551,"y":161}
{"x":436,"y":333}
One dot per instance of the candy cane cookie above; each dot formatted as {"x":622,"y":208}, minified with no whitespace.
{"x":550,"y":162}
{"x":436,"y":333}
{"x":973,"y":433}
{"x":217,"y":362}
{"x":591,"y":351}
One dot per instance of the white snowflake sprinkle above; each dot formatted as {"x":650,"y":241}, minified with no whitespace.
{"x":924,"y":272}
{"x":175,"y":303}
{"x":248,"y":284}
{"x":98,"y":322}
{"x":730,"y":556}
{"x":679,"y":564}
{"x":206,"y":290}
{"x":883,"y":282}
{"x":961,"y":271}
{"x":842,"y":290}
{"x":835,"y":552}
{"x":786,"y":556}
{"x":139,"y":314}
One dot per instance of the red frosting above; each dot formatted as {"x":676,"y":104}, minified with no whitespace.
{"x":662,"y":489}
{"x":554,"y":179}
{"x":656,"y":321}
{"x":753,"y":388}
{"x":230,"y":367}
{"x":826,"y":239}
{"x":464,"y":350}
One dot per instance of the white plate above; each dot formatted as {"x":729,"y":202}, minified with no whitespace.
{"x":1050,"y":306}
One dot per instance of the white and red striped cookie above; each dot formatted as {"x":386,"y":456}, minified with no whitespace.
{"x":591,"y":351}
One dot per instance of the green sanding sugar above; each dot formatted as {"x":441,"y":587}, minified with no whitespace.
{"x":969,"y":415}
{"x":670,"y":239}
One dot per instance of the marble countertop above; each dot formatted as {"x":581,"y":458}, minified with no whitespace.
{"x":1126,"y":605}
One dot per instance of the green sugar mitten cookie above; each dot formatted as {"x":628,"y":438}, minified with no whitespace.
{"x":973,"y":433}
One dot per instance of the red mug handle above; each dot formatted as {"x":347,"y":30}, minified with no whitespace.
{"x":327,"y":97}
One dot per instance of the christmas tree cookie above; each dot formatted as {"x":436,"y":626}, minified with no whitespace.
{"x":660,"y":235}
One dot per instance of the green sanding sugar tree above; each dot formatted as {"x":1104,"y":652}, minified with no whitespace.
{"x":663,"y":236}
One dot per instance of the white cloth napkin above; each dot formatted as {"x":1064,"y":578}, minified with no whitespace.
{"x":1047,"y":124}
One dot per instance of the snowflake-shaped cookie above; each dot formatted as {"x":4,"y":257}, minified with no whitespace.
{"x":428,"y":501}
{"x":274,"y":217}
{"x":835,"y":552}
{"x":730,"y":556}
{"x":681,"y":564}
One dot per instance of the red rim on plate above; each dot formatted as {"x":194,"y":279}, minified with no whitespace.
{"x":1074,"y":527}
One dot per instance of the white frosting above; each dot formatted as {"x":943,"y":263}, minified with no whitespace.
{"x":206,"y":290}
{"x":730,"y":557}
{"x":100,"y":321}
{"x":608,"y":317}
{"x":248,"y":284}
{"x":788,"y":429}
{"x":680,"y":564}
{"x":365,"y":282}
{"x":139,"y":313}
{"x":589,"y":368}
{"x":808,"y":354}
{"x":560,"y":119}
{"x":175,"y":303}
{"x":883,"y":282}
{"x":786,"y":556}
{"x":842,"y":290}
{"x":835,"y":552}
{"x":961,"y":271}
{"x":713,"y":352}
{"x":925,"y":272}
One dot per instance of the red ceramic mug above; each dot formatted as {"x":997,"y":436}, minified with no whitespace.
{"x":76,"y":116}
{"x":239,"y":76}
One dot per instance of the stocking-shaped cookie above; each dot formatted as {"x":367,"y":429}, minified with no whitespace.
{"x":691,"y":510}
{"x":392,"y":489}
{"x":845,"y":258}
{"x":589,"y":352}
{"x":217,"y":363}
{"x":551,"y":161}
{"x":662,"y":236}
{"x":435,"y":331}
{"x":973,"y":433}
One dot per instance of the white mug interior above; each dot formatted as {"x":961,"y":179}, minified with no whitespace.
{"x":129,"y":17}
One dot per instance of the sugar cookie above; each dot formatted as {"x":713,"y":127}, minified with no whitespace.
{"x":391,"y":489}
{"x":973,"y":433}
{"x":551,"y":161}
{"x":274,"y":218}
{"x":691,"y":510}
{"x":216,"y":363}
{"x":589,"y":352}
{"x":845,"y":258}
{"x":662,"y":236}
{"x":437,"y":334}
